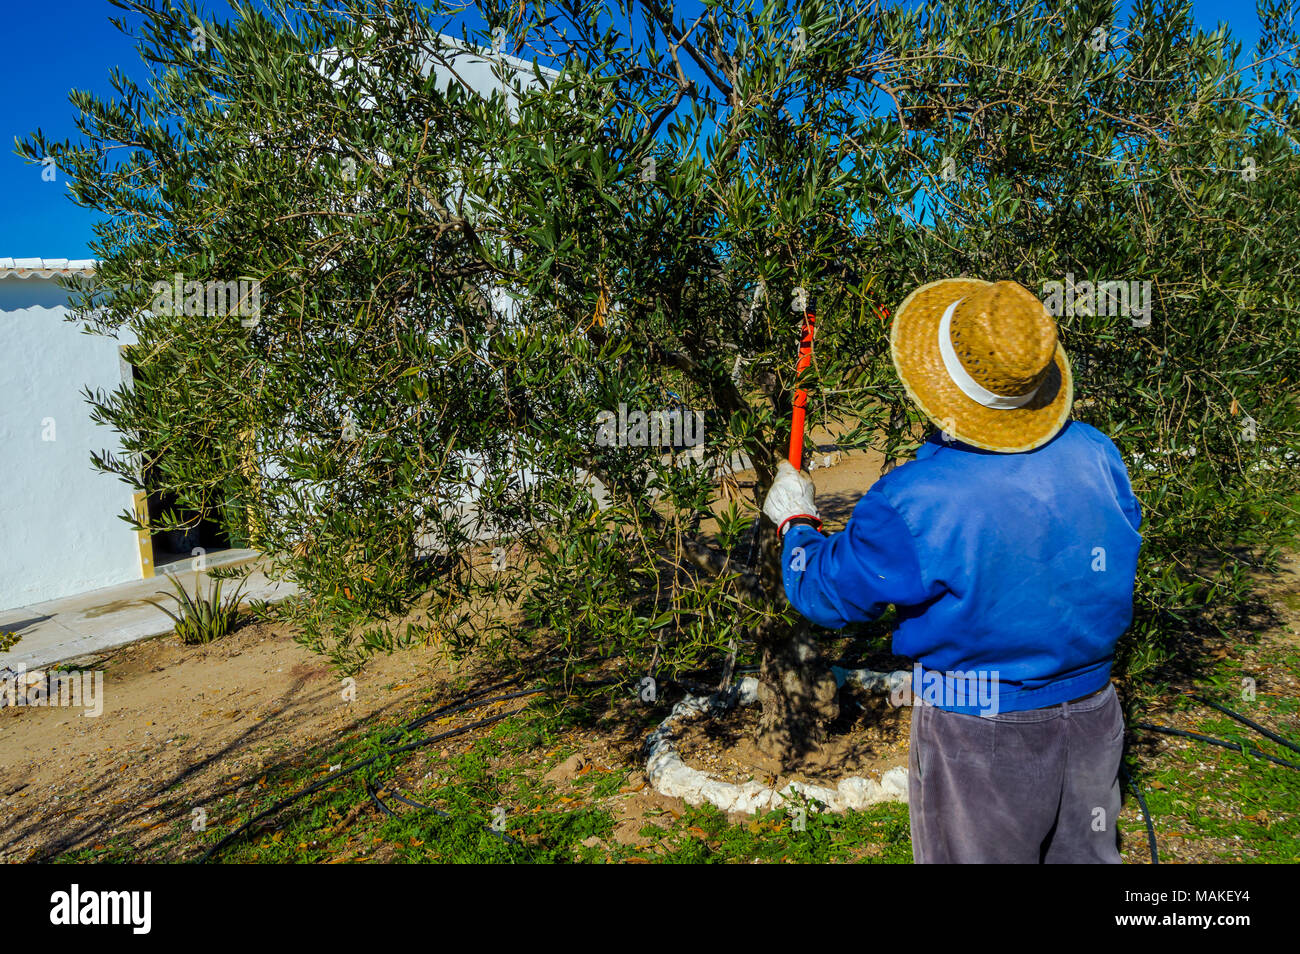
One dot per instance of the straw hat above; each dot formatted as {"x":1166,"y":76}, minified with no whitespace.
{"x":982,"y":360}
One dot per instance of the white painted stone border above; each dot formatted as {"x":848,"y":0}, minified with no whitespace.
{"x":669,"y":775}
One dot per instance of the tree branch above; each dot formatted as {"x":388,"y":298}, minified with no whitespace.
{"x":680,"y":40}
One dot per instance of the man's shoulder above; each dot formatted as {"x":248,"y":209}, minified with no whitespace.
{"x":940,"y":461}
{"x":1085,"y":434}
{"x":937,"y":463}
{"x":1079,"y":429}
{"x":935,"y":456}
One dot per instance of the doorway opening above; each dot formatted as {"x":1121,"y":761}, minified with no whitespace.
{"x":174,"y":547}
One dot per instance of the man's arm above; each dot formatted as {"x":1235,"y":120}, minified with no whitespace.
{"x":1123,"y":487}
{"x":852,"y":576}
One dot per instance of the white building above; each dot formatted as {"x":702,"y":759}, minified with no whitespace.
{"x":59,"y":527}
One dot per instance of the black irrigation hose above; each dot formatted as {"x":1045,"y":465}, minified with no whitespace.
{"x":453,"y":710}
{"x":1146,"y":815}
{"x":398,"y":797}
{"x":1235,"y":746}
{"x":374,"y":797}
{"x":1267,"y":733}
{"x":329,"y":779}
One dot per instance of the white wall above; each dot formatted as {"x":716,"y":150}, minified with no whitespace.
{"x":59,"y":527}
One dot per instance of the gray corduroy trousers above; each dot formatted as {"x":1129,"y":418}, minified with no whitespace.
{"x":1034,"y":787}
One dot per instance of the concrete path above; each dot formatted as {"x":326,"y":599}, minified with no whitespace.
{"x":86,"y":623}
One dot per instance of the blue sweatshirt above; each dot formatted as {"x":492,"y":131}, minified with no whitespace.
{"x":1018,"y":568}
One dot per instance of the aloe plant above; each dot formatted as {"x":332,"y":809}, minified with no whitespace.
{"x":201,"y":619}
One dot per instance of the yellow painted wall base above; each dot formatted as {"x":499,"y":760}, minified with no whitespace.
{"x":144,"y":537}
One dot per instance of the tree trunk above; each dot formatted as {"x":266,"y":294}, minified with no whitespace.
{"x":796,"y":688}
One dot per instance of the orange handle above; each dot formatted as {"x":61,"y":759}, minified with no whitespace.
{"x":801,"y":396}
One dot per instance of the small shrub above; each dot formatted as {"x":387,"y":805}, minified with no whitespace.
{"x":201,"y":619}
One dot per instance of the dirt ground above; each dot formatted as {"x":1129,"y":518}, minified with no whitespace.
{"x":180,"y":722}
{"x":868,"y":739}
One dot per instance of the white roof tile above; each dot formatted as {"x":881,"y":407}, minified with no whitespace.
{"x":45,"y":267}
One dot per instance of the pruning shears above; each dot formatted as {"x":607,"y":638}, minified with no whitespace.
{"x":805,"y":358}
{"x":801,"y":395}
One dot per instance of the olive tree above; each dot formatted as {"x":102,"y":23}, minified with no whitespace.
{"x":478,"y":312}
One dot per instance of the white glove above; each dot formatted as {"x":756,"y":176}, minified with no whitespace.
{"x":791,"y":495}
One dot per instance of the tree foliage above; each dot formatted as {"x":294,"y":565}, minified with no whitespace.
{"x":454,"y":287}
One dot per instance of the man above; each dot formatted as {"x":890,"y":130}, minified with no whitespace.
{"x":1009,"y":546}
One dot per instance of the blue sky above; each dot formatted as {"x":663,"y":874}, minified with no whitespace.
{"x":47,"y":49}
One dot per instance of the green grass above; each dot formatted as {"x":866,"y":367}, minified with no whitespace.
{"x":877,"y":835}
{"x":496,"y":782}
{"x":1222,"y":805}
{"x":116,"y":850}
